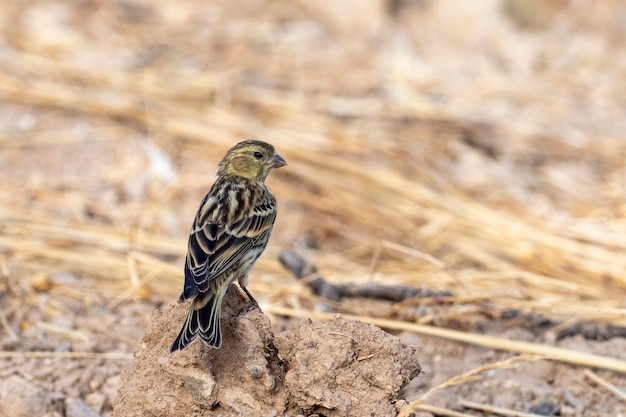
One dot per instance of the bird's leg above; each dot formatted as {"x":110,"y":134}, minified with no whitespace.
{"x":252,"y":304}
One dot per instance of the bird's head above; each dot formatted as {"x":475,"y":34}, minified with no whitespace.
{"x":250,"y":159}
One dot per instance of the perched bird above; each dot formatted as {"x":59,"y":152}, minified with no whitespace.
{"x":230,"y":231}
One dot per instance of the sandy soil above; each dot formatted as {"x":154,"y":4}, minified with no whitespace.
{"x":114,"y":115}
{"x":263,"y":383}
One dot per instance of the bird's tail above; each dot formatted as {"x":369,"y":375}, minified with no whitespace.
{"x":203,"y":320}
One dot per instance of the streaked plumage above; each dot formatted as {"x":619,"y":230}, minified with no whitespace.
{"x":230,"y":231}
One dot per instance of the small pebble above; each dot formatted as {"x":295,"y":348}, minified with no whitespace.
{"x":257,"y":372}
{"x":75,"y":407}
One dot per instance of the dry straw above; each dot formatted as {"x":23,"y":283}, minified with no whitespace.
{"x":364,"y":180}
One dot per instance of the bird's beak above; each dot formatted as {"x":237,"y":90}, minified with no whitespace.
{"x":278,"y":161}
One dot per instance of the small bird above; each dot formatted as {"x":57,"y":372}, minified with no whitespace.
{"x":229,"y":233}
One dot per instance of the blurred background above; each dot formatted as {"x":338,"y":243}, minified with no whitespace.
{"x":474,"y":148}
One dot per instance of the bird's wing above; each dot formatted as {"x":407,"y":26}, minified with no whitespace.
{"x":213,"y":248}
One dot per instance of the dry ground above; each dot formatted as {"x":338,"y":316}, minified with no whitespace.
{"x":470,"y":147}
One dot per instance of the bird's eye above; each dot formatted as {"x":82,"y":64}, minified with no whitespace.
{"x":258,"y":155}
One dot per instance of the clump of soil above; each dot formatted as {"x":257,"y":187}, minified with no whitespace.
{"x":334,"y":368}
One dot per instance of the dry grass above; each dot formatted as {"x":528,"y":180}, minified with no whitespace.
{"x":504,"y":186}
{"x":367,"y":204}
{"x":538,"y":350}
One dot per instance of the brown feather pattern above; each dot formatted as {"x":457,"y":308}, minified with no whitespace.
{"x":230,"y":231}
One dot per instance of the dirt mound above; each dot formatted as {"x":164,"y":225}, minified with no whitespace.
{"x":333,"y":368}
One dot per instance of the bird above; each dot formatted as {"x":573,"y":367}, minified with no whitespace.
{"x":230,"y":231}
